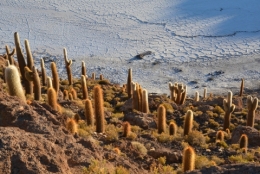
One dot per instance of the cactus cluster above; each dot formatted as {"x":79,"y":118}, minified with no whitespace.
{"x":178,"y":93}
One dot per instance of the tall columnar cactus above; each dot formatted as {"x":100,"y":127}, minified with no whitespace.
{"x":205,"y":93}
{"x":220,"y":136}
{"x":84,"y":87}
{"x":183,"y":95}
{"x":93,"y":76}
{"x":140,"y":98}
{"x":243,"y":142}
{"x":161,"y":116}
{"x":83,"y":69}
{"x":172,"y":92}
{"x":172,"y":128}
{"x":10,"y":55}
{"x":135,"y":97}
{"x":252,"y":104}
{"x":68,"y":64}
{"x":22,"y":63}
{"x":127,"y":129}
{"x":179,"y":90}
{"x":145,"y":104}
{"x":36,"y":85}
{"x":89,"y":114}
{"x":241,"y":87}
{"x":229,"y":108}
{"x":197,"y":96}
{"x":188,"y":160}
{"x":99,"y":109}
{"x":55,"y":77}
{"x":188,"y":122}
{"x":13,"y":81}
{"x":30,"y":62}
{"x":129,"y":83}
{"x":52,"y":98}
{"x":44,"y":76}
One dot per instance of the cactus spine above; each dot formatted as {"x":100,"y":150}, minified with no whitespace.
{"x":241,"y":88}
{"x":68,"y":64}
{"x":43,"y":73}
{"x":188,"y":161}
{"x":13,"y":81}
{"x":229,"y":108}
{"x":99,"y":109}
{"x":55,"y":77}
{"x":243,"y":142}
{"x":129,"y":83}
{"x":161,"y":115}
{"x":84,"y":87}
{"x":252,"y":104}
{"x":172,"y":128}
{"x":127,"y":129}
{"x":89,"y":114}
{"x":188,"y":122}
{"x":145,"y":105}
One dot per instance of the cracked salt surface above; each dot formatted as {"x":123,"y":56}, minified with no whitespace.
{"x":195,"y":37}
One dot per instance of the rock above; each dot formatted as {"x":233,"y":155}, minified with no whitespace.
{"x":171,"y":157}
{"x":143,"y":120}
{"x":252,"y":133}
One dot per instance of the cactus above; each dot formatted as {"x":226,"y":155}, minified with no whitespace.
{"x":188,"y":123}
{"x":183,"y":96}
{"x":55,"y":77}
{"x":99,"y":109}
{"x":74,"y":93}
{"x":135,"y":98}
{"x":76,"y":117}
{"x":220,"y":136}
{"x":93,"y":76}
{"x":89,"y":114}
{"x":172,"y":128}
{"x":129,"y":81}
{"x":13,"y":81}
{"x":145,"y":105}
{"x":65,"y":95}
{"x":140,"y":98}
{"x":70,"y":96}
{"x":36,"y":85}
{"x":68,"y":64}
{"x":197,"y":96}
{"x":20,"y":57}
{"x":161,"y":116}
{"x":84,"y":87}
{"x":52,"y":98}
{"x":49,"y":83}
{"x":179,"y":90}
{"x":101,"y":77}
{"x":243,"y":142}
{"x":241,"y":88}
{"x":172,"y":90}
{"x":188,"y":160}
{"x":30,"y":62}
{"x":28,"y":74}
{"x":83,"y":69}
{"x":205,"y":93}
{"x":127,"y":129}
{"x":43,"y":73}
{"x":9,"y":55}
{"x":252,"y":104}
{"x":72,"y":126}
{"x":229,"y":108}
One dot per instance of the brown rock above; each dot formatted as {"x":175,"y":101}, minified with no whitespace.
{"x":252,"y":133}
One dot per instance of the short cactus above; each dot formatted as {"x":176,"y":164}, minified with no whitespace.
{"x":220,"y":136}
{"x":161,"y":116}
{"x":188,"y":122}
{"x":52,"y":98}
{"x":36,"y":84}
{"x":74,"y":93}
{"x":68,"y":64}
{"x":172,"y":128}
{"x":252,"y":104}
{"x":89,"y":114}
{"x":43,"y":73}
{"x":243,"y":142}
{"x":127,"y":129}
{"x":13,"y":81}
{"x":84,"y":87}
{"x":197,"y":96}
{"x":72,"y":126}
{"x":188,"y":160}
{"x":99,"y":109}
{"x":205,"y":93}
{"x":65,"y":95}
{"x":229,"y":108}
